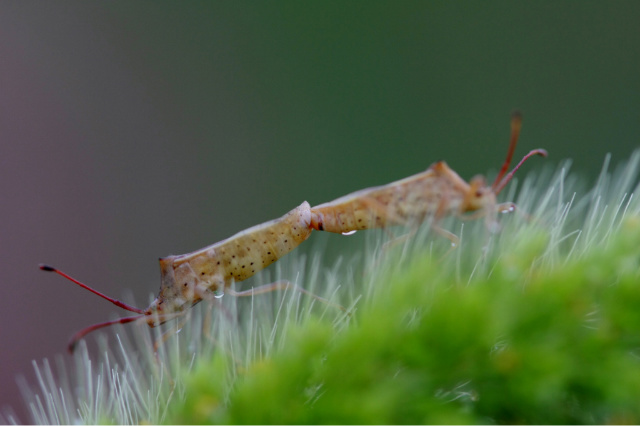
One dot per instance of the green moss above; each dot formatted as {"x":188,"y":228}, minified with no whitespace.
{"x":522,"y":345}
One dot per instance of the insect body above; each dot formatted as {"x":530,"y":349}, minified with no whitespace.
{"x":189,"y":278}
{"x":435,"y":193}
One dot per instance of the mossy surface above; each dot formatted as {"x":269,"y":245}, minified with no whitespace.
{"x":524,"y":344}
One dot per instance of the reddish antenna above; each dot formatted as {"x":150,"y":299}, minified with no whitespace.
{"x":501,"y":180}
{"x":79,"y":335}
{"x":516,"y":125}
{"x":507,"y":178}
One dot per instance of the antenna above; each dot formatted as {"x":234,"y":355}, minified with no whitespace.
{"x":80,"y":334}
{"x":508,"y":177}
{"x":502,"y":179}
{"x":516,"y":125}
{"x":104,"y":296}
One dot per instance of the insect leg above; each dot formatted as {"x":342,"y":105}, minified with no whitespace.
{"x":490,"y":212}
{"x":280,"y":285}
{"x":446,"y":234}
{"x":206,"y":296}
{"x":441,"y":211}
{"x":168,"y":333}
{"x":511,"y":207}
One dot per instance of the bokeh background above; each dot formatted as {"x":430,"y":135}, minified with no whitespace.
{"x":134,"y":130}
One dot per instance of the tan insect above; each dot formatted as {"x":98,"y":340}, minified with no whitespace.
{"x":189,"y":278}
{"x":434,"y":193}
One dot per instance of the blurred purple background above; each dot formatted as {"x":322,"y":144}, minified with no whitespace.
{"x":130,"y":131}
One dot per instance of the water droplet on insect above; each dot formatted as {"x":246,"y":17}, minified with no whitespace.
{"x":349,"y":233}
{"x":218,"y":294}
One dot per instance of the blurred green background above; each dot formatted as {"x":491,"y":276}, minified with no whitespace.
{"x":133,"y":130}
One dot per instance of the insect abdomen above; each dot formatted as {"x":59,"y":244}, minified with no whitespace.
{"x":242,"y":255}
{"x":259,"y":248}
{"x":347,"y":216}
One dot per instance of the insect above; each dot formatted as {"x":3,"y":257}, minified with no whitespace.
{"x":189,"y":278}
{"x":434,"y":193}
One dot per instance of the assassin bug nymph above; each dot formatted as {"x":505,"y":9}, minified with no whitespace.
{"x":189,"y":278}
{"x":432,"y":194}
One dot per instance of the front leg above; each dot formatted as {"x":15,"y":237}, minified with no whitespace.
{"x":280,"y":285}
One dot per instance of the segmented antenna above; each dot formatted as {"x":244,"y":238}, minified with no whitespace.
{"x":71,"y":346}
{"x":508,"y":177}
{"x":104,"y":296}
{"x":80,"y":334}
{"x":501,"y":180}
